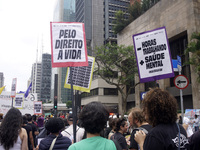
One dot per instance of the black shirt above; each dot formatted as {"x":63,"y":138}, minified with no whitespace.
{"x":120,"y":139}
{"x":34,"y":128}
{"x":166,"y":137}
{"x":133,"y":143}
{"x":28,"y":130}
{"x":194,"y":141}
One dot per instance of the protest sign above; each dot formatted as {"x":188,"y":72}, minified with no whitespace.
{"x":68,"y":44}
{"x":38,"y":108}
{"x":153,"y":55}
{"x":82,"y":76}
{"x":18,"y":101}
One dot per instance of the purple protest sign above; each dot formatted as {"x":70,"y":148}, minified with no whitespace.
{"x":153,"y":55}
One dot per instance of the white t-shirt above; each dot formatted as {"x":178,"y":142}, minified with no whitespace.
{"x":196,"y":122}
{"x":69,"y":133}
{"x":189,"y":129}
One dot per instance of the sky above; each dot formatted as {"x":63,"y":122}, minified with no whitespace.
{"x":24,"y":29}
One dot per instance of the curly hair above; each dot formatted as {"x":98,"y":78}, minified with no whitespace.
{"x":94,"y":117}
{"x":54,"y":125}
{"x":10,"y":128}
{"x":160,"y":107}
{"x":120,"y":122}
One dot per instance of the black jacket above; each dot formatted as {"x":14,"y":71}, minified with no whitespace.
{"x":62,"y":142}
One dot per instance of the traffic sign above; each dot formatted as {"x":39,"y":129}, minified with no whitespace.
{"x":181,"y":81}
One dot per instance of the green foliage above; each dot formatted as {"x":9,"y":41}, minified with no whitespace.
{"x":135,"y":10}
{"x":69,"y":104}
{"x":194,"y":48}
{"x":119,"y":22}
{"x":117,"y":66}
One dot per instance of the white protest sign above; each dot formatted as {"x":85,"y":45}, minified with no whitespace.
{"x":38,"y":108}
{"x":19,"y":100}
{"x":153,"y":55}
{"x":6,"y":101}
{"x":68,"y":44}
{"x":81,"y":76}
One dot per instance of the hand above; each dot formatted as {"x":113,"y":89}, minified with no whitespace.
{"x":140,"y":137}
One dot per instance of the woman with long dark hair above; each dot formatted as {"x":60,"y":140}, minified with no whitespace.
{"x":12,"y":135}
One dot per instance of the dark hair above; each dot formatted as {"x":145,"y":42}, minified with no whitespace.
{"x":120,"y":122}
{"x":24,"y":118}
{"x":160,"y":107}
{"x":34,"y":117}
{"x":112,"y":122}
{"x":10,"y":128}
{"x":93,"y":117}
{"x":29,"y":117}
{"x":54,"y":125}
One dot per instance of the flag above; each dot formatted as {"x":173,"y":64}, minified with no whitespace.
{"x":28,"y":90}
{"x":1,"y":89}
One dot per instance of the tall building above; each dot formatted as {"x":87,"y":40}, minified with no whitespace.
{"x":45,"y":88}
{"x":183,"y":21}
{"x":36,"y":77}
{"x":1,"y":79}
{"x":64,"y":12}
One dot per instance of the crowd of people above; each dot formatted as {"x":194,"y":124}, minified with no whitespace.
{"x":154,"y":126}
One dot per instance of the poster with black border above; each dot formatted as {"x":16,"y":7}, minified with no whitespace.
{"x":82,"y":76}
{"x":38,"y":107}
{"x":68,"y":44}
{"x":153,"y":55}
{"x":19,"y":101}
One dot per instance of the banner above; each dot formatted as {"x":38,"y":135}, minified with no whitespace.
{"x":1,"y":89}
{"x":82,"y":76}
{"x":27,"y":106}
{"x":38,"y":108}
{"x":153,"y":55}
{"x":68,"y":44}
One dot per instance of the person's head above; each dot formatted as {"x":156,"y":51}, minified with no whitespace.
{"x":54,"y":125}
{"x":159,"y":107}
{"x":112,"y":123}
{"x":29,"y":117}
{"x":121,"y":125}
{"x":195,"y":116}
{"x":136,"y":117}
{"x":1,"y":116}
{"x":24,"y":118}
{"x":10,"y":127}
{"x":34,"y":117}
{"x":94,"y":117}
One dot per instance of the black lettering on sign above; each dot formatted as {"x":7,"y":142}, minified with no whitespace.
{"x":67,"y":33}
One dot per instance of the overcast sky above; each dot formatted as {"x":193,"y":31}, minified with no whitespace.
{"x":24,"y":28}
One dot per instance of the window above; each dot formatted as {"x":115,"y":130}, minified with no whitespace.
{"x":110,"y":91}
{"x":92,"y":93}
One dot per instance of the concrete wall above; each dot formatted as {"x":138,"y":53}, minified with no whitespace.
{"x":177,"y":16}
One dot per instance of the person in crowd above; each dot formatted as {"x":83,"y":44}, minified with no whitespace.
{"x":180,"y":119}
{"x":137,"y":122}
{"x":34,"y":128}
{"x":29,"y":132}
{"x":40,"y":123}
{"x":12,"y":135}
{"x":68,"y":132}
{"x":54,"y":126}
{"x":66,"y":123}
{"x":112,"y":124}
{"x":160,"y":109}
{"x":120,"y":129}
{"x":93,"y":119}
{"x":34,"y":119}
{"x":61,"y":115}
{"x":196,"y":123}
{"x":1,"y":118}
{"x":187,"y":126}
{"x":194,"y":141}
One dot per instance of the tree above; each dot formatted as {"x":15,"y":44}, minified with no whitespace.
{"x":194,"y":48}
{"x":119,"y":22}
{"x":117,"y":66}
{"x":69,"y":104}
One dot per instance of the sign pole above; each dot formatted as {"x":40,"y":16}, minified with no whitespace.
{"x":73,"y":107}
{"x":179,"y":66}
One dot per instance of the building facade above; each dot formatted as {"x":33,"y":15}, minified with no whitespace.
{"x":45,"y":88}
{"x":1,"y":79}
{"x":181,"y":19}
